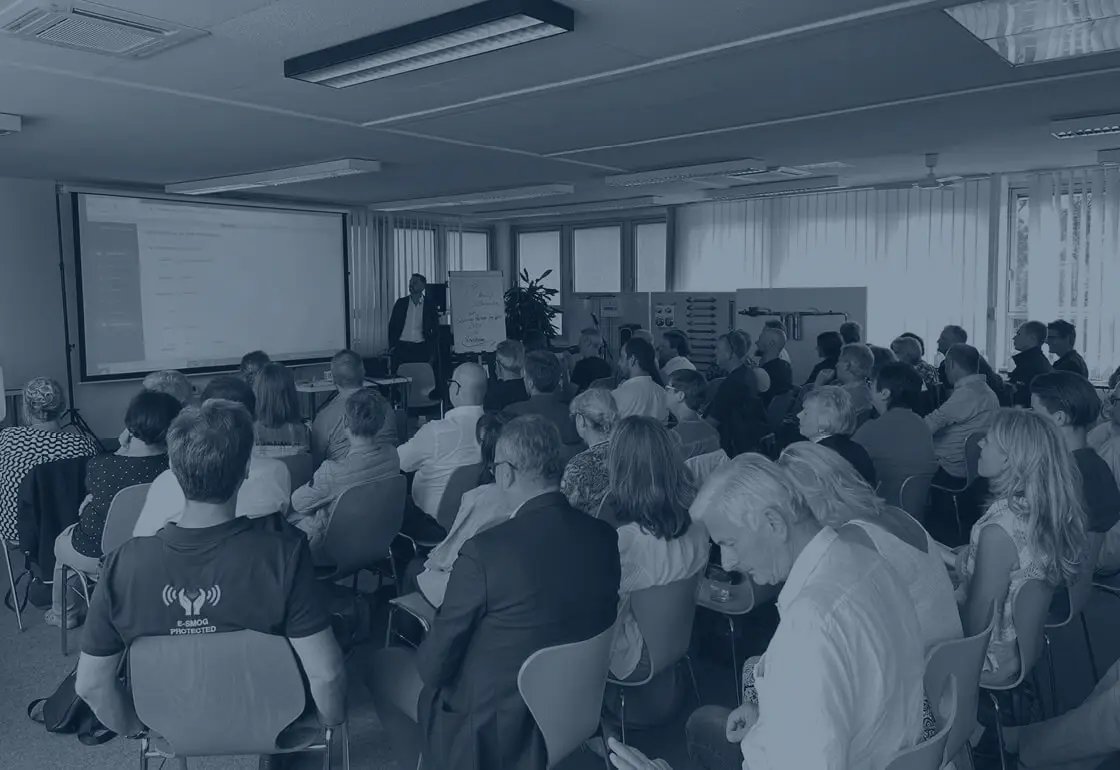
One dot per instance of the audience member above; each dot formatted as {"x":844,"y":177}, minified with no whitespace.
{"x":840,"y":684}
{"x":1033,"y":530}
{"x":771,"y":345}
{"x":456,"y":697}
{"x":1030,"y":361}
{"x":279,"y":429}
{"x":909,"y":350}
{"x":827,"y":418}
{"x":266,"y":490}
{"x":970,"y":407}
{"x":481,"y":508}
{"x":643,"y":391}
{"x":673,"y":353}
{"x":592,"y":364}
{"x":251,"y":365}
{"x":586,"y":480}
{"x":838,"y":496}
{"x":1105,"y":438}
{"x":170,"y":381}
{"x":687,"y":392}
{"x":643,"y":334}
{"x":1061,"y":336}
{"x":509,"y":387}
{"x":760,"y":375}
{"x":546,"y":397}
{"x":853,"y":372}
{"x":736,"y":410}
{"x":441,"y":446}
{"x":851,"y":332}
{"x":919,"y":340}
{"x":328,"y":432}
{"x":829,"y":345}
{"x":155,"y":586}
{"x":953,"y":335}
{"x":774,"y":323}
{"x":880,"y":357}
{"x":650,"y":493}
{"x":899,"y":442}
{"x":41,"y":440}
{"x":148,"y":417}
{"x":367,"y":460}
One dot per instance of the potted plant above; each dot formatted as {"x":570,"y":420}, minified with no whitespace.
{"x":529,"y":307}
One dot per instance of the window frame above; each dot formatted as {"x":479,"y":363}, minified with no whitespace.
{"x":451,"y":230}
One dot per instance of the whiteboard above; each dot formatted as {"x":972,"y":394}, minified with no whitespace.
{"x":478,"y":310}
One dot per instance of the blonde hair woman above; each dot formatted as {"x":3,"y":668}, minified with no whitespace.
{"x":1034,"y":529}
{"x":840,"y":498}
{"x":586,"y":480}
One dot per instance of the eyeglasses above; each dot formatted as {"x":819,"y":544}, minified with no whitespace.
{"x":458,"y":386}
{"x":512,"y":467}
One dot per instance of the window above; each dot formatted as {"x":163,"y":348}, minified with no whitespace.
{"x":597,"y":259}
{"x":414,"y":251}
{"x":468,"y":250}
{"x":650,"y":246}
{"x":538,"y":252}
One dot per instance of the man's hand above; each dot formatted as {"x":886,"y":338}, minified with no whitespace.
{"x":824,"y":377}
{"x":740,"y":721}
{"x":625,"y":758}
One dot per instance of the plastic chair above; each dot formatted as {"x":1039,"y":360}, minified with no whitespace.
{"x":963,"y":659}
{"x":913,"y":496}
{"x":744,"y":599}
{"x":463,"y":479}
{"x":779,"y":405}
{"x":364,"y":521}
{"x":664,"y":615}
{"x":12,"y":581}
{"x":124,"y":510}
{"x":415,"y":605}
{"x":422,"y":382}
{"x":928,"y":755}
{"x":1073,"y":600}
{"x":301,"y":468}
{"x":703,"y":466}
{"x":972,"y":466}
{"x":223,"y":694}
{"x":563,"y":687}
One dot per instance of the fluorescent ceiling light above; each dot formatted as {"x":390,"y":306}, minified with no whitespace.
{"x":476,"y":29}
{"x":1032,"y":31}
{"x":660,"y":176}
{"x":10,"y":124}
{"x":774,"y":189}
{"x":293,"y":175}
{"x":477,"y":198}
{"x":1081,"y":128}
{"x":1108,"y":157}
{"x":622,"y":204}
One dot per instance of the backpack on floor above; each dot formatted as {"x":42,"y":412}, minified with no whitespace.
{"x":64,"y":712}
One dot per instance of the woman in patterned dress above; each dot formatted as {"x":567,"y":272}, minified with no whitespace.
{"x":586,"y":478}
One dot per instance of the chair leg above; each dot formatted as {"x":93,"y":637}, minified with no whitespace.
{"x":65,"y":605}
{"x":389,"y":625}
{"x":1053,"y":682}
{"x":736,"y":674}
{"x":999,"y":731}
{"x":606,"y":746}
{"x":12,"y":583}
{"x":354,"y":585}
{"x":327,"y":741}
{"x":143,"y":754}
{"x":1089,"y":648}
{"x":961,"y":534}
{"x":692,"y":675}
{"x":622,"y":711}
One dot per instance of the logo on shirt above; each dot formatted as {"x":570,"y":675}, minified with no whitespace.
{"x":192,"y":601}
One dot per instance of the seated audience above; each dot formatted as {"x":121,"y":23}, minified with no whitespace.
{"x":279,"y":429}
{"x":774,"y":323}
{"x":840,"y":684}
{"x":509,"y":387}
{"x":266,"y":490}
{"x":251,"y":365}
{"x":880,"y":357}
{"x":367,"y":460}
{"x":909,"y":349}
{"x":953,"y":335}
{"x":266,"y":577}
{"x":328,"y":432}
{"x":838,"y":496}
{"x":736,"y":410}
{"x":591,"y":366}
{"x":546,"y":397}
{"x":851,"y":332}
{"x":480,"y":509}
{"x":771,"y":345}
{"x":148,"y":417}
{"x":1061,"y":336}
{"x":170,"y":381}
{"x":643,"y":391}
{"x":585,"y":480}
{"x":687,"y":393}
{"x":1105,"y":437}
{"x":441,"y":446}
{"x":827,"y":418}
{"x":898,"y":442}
{"x":1033,"y":530}
{"x":970,"y":407}
{"x":456,"y":698}
{"x":760,"y":374}
{"x":1030,"y":361}
{"x":853,"y":372}
{"x":41,"y":440}
{"x":829,"y":345}
{"x":650,"y":493}
{"x":673,"y":353}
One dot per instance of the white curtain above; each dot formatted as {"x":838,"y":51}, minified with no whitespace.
{"x":722,"y":246}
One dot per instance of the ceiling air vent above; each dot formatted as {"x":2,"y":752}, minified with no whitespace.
{"x":94,"y":28}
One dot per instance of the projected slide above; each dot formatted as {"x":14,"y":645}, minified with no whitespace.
{"x":169,"y":285}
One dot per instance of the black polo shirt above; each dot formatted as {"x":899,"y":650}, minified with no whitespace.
{"x":738,"y":408}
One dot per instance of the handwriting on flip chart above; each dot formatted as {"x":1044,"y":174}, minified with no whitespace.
{"x":478,"y":312}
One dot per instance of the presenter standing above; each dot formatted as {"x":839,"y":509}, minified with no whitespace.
{"x":414,"y":325}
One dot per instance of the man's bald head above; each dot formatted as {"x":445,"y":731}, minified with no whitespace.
{"x":471,"y":390}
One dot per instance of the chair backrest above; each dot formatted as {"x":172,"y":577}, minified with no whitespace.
{"x":463,"y":479}
{"x":563,"y":687}
{"x":1032,"y":607}
{"x":216,"y":694}
{"x":776,"y":410}
{"x":364,"y":521}
{"x":964,"y":660}
{"x":423,"y":380}
{"x":664,"y":615}
{"x":930,"y":754}
{"x":300,"y":468}
{"x":972,"y":454}
{"x":123,"y":513}
{"x":913,"y":496}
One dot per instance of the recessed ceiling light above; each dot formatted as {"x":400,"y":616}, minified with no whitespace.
{"x":1032,"y":31}
{"x":663,"y":175}
{"x":292,"y":175}
{"x":476,"y":198}
{"x":1082,"y":128}
{"x":459,"y":34}
{"x":622,"y":204}
{"x":775,"y":189}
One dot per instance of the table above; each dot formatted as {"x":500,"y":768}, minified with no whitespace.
{"x":312,"y":389}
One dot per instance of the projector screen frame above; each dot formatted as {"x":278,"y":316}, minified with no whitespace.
{"x":75,"y":210}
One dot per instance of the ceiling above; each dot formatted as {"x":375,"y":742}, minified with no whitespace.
{"x":639,"y":84}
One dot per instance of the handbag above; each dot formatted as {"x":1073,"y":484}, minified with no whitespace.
{"x":64,"y":712}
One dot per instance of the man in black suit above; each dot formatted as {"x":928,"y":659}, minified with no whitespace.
{"x":1030,"y":361}
{"x":414,"y":325}
{"x":511,"y":593}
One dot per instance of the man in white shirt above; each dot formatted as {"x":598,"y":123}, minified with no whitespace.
{"x":672,"y":353}
{"x":267,"y":490}
{"x":413,"y":325}
{"x":840,"y":685}
{"x":441,"y":446}
{"x":642,"y":393}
